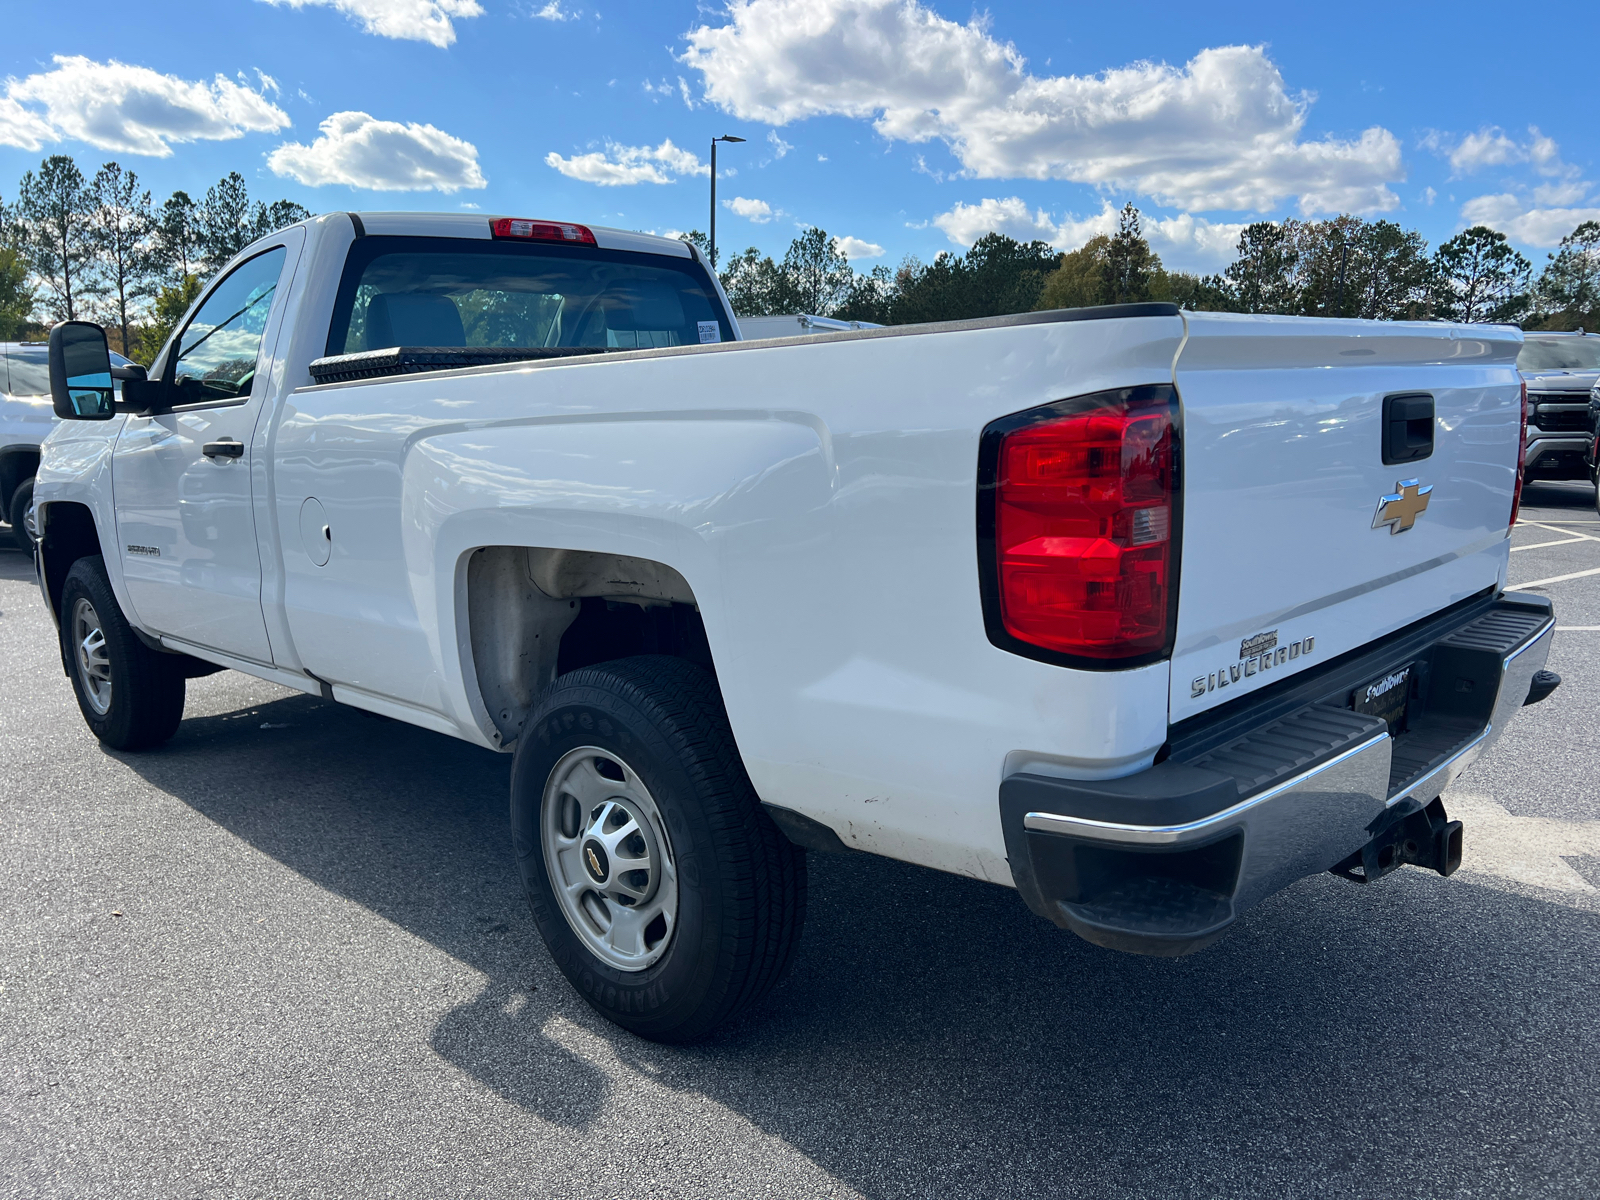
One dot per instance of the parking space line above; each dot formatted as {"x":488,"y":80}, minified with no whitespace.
{"x":1562,"y":542}
{"x":1573,"y":535}
{"x":1556,"y":579}
{"x":1578,"y":628}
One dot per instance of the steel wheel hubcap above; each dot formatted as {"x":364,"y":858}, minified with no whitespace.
{"x":608,"y":857}
{"x":94,"y":661}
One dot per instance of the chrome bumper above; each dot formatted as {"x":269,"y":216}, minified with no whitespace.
{"x":1088,"y":856}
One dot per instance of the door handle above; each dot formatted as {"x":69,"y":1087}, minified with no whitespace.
{"x":227,"y":448}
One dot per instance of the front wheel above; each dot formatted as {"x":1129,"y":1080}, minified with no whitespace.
{"x":665,"y":893}
{"x":131,"y":696}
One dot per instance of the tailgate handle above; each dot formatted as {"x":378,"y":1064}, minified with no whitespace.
{"x":1407,"y":428}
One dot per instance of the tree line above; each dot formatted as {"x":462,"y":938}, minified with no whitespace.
{"x":76,"y":247}
{"x":98,"y":247}
{"x":1345,"y":266}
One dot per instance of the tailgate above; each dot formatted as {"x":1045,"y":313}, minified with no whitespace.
{"x":1283,"y":475}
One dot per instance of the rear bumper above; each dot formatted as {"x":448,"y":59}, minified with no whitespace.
{"x":1270,"y":789}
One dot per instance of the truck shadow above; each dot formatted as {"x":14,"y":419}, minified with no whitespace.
{"x":1562,"y":495}
{"x":936,"y":1038}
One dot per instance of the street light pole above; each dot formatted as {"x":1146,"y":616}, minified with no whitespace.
{"x":713,"y":236}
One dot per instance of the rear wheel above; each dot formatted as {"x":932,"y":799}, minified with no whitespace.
{"x":131,"y":696}
{"x":664,"y":891}
{"x":20,"y":513}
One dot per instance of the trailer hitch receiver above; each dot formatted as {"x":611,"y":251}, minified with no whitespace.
{"x":1408,"y":833}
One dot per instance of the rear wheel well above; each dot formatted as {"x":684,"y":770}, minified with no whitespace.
{"x":534,"y":614}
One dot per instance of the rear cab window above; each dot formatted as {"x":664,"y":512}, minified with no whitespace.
{"x":463,"y":293}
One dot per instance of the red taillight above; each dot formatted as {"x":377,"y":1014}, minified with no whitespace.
{"x":1522,"y":450}
{"x":1083,"y":523}
{"x":541,"y":231}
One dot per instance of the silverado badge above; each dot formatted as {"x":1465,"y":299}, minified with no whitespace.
{"x":1401,"y":510}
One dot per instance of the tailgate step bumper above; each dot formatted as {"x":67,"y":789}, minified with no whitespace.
{"x":1162,"y":862}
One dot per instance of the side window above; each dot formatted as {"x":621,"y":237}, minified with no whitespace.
{"x":217,"y":351}
{"x":30,"y":370}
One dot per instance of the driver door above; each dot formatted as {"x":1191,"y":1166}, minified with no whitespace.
{"x":183,"y":480}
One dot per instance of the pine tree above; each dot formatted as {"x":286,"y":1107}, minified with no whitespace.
{"x":1265,"y":277}
{"x":16,"y":294}
{"x":177,"y":237}
{"x":120,"y":231}
{"x":818,"y":273}
{"x":1395,"y":280}
{"x":222,"y":221}
{"x":756,"y":286}
{"x":56,"y":207}
{"x":1129,"y":264}
{"x":1569,"y":286}
{"x":1480,"y":277}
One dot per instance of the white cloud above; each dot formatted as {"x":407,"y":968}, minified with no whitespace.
{"x":21,"y":128}
{"x":1523,"y":222}
{"x":130,"y":110}
{"x":552,"y":12}
{"x":758,"y":211}
{"x":363,"y":152}
{"x":408,"y":20}
{"x":966,"y":223}
{"x":1538,"y":216}
{"x":1486,"y":148}
{"x":1184,"y":241}
{"x":1490,"y":147}
{"x":619,"y":166}
{"x":683,"y":90}
{"x":779,"y":146}
{"x":1221,"y":132}
{"x":854,"y":248}
{"x":1559,"y":195}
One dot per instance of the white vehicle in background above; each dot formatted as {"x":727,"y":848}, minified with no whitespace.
{"x":1145,"y":613}
{"x":1561,"y":370}
{"x":25,"y":419}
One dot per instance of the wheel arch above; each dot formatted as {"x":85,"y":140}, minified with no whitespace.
{"x":67,"y":532}
{"x":533,"y":613}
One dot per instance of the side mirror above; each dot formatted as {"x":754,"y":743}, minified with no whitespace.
{"x":80,"y":372}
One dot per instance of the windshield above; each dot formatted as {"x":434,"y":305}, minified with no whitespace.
{"x":29,"y":369}
{"x":453,"y":292}
{"x":1560,"y":354}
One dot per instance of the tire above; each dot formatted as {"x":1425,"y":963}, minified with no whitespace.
{"x":637,"y":754}
{"x":17,"y":514}
{"x":131,"y":696}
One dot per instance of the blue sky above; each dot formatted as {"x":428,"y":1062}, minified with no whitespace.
{"x":898,"y":126}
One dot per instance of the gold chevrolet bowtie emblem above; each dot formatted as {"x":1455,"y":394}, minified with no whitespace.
{"x":1400,"y":510}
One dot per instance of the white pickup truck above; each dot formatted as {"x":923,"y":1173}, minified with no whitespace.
{"x":1145,"y":613}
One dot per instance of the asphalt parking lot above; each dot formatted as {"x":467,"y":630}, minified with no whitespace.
{"x":287,"y":955}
